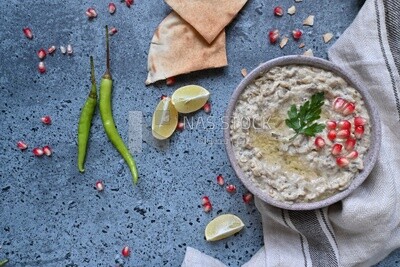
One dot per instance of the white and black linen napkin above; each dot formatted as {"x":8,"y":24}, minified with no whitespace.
{"x":364,"y":228}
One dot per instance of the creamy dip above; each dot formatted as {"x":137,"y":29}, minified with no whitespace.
{"x":294,"y":171}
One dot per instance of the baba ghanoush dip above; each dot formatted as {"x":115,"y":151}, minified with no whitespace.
{"x":300,"y":133}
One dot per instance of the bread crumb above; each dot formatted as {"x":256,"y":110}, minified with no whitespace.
{"x":309,"y":53}
{"x":244,"y":72}
{"x":291,"y":10}
{"x":327,"y":37}
{"x":302,"y":45}
{"x":309,"y":21}
{"x":283,"y":42}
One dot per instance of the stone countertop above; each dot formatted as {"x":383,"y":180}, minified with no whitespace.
{"x":51,"y":215}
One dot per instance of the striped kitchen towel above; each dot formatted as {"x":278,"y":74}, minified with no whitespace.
{"x":364,"y":228}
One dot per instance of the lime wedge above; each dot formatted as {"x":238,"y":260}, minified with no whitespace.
{"x":223,"y":226}
{"x":189,"y":98}
{"x":165,"y":119}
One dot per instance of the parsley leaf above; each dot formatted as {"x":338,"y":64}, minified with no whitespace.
{"x":302,"y":120}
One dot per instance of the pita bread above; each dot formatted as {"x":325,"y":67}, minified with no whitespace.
{"x":208,"y":17}
{"x":177,"y":48}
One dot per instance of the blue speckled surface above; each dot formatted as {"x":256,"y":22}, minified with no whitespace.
{"x":51,"y":215}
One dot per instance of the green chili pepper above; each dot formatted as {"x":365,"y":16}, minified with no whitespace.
{"x":107,"y":117}
{"x":85,"y":121}
{"x":3,"y":262}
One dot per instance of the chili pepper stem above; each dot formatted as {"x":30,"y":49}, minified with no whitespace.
{"x":3,"y":262}
{"x":107,"y":116}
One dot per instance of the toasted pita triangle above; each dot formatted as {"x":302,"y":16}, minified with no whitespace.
{"x":208,"y":17}
{"x":177,"y":48}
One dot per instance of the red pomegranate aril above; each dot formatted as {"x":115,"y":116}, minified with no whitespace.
{"x":47,"y":151}
{"x":126,"y":251}
{"x":319,"y":142}
{"x":336,"y":149}
{"x":46,"y":119}
{"x":332,"y":135}
{"x":220,"y":180}
{"x":342,"y":162}
{"x":343,"y":125}
{"x":28,"y":32}
{"x":297,"y":34}
{"x":231,"y":188}
{"x":41,"y":54}
{"x":331,"y":125}
{"x":343,"y":134}
{"x":112,"y":31}
{"x":247,"y":198}
{"x":41,"y":67}
{"x":207,"y":107}
{"x":51,"y":49}
{"x":273,"y":36}
{"x":170,"y":81}
{"x":207,"y":207}
{"x":350,"y":144}
{"x":22,"y":145}
{"x":91,"y":13}
{"x":129,"y":3}
{"x":205,"y":200}
{"x":338,"y":104}
{"x":359,"y":121}
{"x":348,"y":108}
{"x":99,"y":185}
{"x":38,"y":152}
{"x":278,"y":11}
{"x":180,"y":126}
{"x":359,"y":131}
{"x":352,"y":155}
{"x":112,"y":8}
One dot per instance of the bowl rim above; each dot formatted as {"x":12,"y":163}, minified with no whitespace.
{"x":369,"y":159}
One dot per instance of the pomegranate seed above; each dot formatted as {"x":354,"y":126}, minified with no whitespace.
{"x":342,"y":162}
{"x":41,"y":67}
{"x":38,"y":152}
{"x":352,"y":155}
{"x":336,"y":149}
{"x":343,"y":134}
{"x":231,"y":188}
{"x":91,"y":13}
{"x":359,"y":131}
{"x":22,"y":145}
{"x":273,"y":36}
{"x":63,"y":49}
{"x":331,"y":125}
{"x":180,"y":126}
{"x":297,"y":34}
{"x":126,"y":251}
{"x":247,"y":198}
{"x":28,"y":33}
{"x":343,"y":125}
{"x":205,"y":200}
{"x":319,"y":142}
{"x":207,"y":207}
{"x":112,"y":31}
{"x":170,"y":81}
{"x":46,"y":119}
{"x":129,"y":3}
{"x":332,"y":135}
{"x":111,"y":8}
{"x":359,"y":121}
{"x":41,"y":54}
{"x":47,"y":151}
{"x":278,"y":11}
{"x":99,"y":185}
{"x":220,"y":180}
{"x":348,"y":108}
{"x":338,"y":104}
{"x":163,"y":97}
{"x":51,"y":49}
{"x":69,"y":49}
{"x":350,"y":144}
{"x":207,"y":107}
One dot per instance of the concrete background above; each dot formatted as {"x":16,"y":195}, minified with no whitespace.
{"x":51,"y":215}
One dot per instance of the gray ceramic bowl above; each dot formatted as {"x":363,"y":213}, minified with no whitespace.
{"x":369,"y":159}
